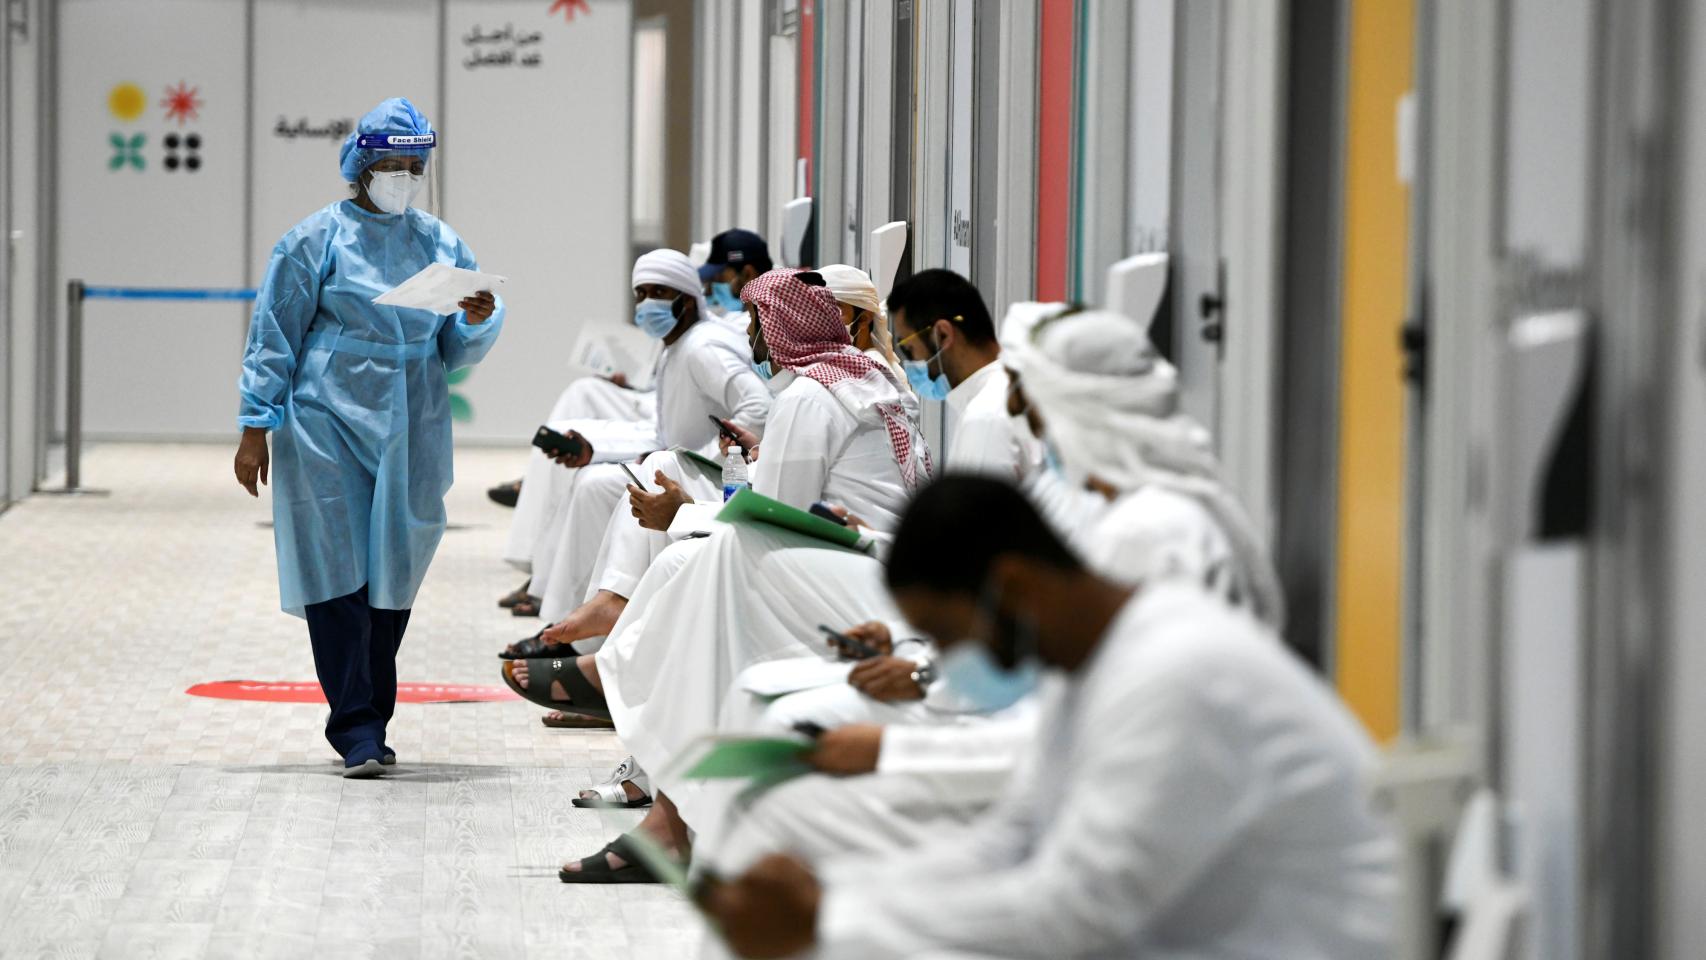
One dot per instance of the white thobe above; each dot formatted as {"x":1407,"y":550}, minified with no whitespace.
{"x":752,"y":593}
{"x":708,"y":372}
{"x":628,"y":548}
{"x":815,"y":449}
{"x":543,"y":481}
{"x":1151,"y":536}
{"x":982,"y":438}
{"x":1196,"y":793}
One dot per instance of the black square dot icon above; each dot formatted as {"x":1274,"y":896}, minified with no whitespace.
{"x":183,"y":152}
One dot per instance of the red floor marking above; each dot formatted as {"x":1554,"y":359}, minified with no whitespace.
{"x":297,"y":692}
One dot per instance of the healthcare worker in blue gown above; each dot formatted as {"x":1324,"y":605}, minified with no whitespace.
{"x":357,"y":400}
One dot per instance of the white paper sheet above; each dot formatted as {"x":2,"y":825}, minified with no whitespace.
{"x":606,"y":349}
{"x":774,"y":678}
{"x":438,"y":288}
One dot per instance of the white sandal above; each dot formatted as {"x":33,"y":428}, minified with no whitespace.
{"x":610,"y":794}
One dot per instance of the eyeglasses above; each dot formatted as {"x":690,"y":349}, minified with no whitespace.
{"x":920,"y":331}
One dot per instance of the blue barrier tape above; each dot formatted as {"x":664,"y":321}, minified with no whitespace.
{"x":164,"y":293}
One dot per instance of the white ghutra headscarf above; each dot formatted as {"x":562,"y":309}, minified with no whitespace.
{"x":853,"y":286}
{"x":1110,"y":408}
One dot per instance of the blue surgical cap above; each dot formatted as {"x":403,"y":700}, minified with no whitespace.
{"x":396,"y":117}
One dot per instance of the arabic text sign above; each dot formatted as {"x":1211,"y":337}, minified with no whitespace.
{"x":502,"y":47}
{"x":335,"y":129}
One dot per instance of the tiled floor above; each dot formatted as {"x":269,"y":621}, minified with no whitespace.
{"x":136,"y":821}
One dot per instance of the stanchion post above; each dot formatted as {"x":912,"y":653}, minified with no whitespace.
{"x":73,"y":385}
{"x":74,"y":297}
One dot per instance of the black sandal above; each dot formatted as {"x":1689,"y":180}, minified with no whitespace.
{"x":558,"y":720}
{"x":597,"y":869}
{"x":528,"y":606}
{"x":536,"y":647}
{"x":515,"y":596}
{"x":584,"y":698}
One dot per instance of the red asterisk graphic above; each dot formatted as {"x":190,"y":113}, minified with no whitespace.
{"x":569,"y":8}
{"x":181,"y":103}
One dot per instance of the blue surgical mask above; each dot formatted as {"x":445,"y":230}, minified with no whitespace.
{"x":723,"y":298}
{"x":923,"y":384}
{"x":970,"y":670}
{"x":1052,"y":459}
{"x":656,"y":317}
{"x":973,"y":672}
{"x":763,"y":369}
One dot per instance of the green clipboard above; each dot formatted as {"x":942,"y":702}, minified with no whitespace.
{"x":748,"y":758}
{"x":704,"y":462}
{"x":758,"y":508}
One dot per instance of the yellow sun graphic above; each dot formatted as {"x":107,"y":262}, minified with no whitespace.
{"x":127,"y":101}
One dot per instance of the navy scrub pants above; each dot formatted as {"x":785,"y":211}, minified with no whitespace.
{"x":355,"y":656}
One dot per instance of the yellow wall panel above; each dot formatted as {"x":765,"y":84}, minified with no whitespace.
{"x":1371,"y":399}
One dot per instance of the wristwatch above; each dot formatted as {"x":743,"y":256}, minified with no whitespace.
{"x":924,"y":675}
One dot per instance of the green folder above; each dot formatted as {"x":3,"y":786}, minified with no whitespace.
{"x":704,"y":462}
{"x":758,"y":508}
{"x":764,"y":759}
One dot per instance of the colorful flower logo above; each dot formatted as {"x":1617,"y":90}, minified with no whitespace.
{"x":126,"y":101}
{"x":126,"y":151}
{"x":460,"y":409}
{"x":182,"y":103}
{"x":569,"y":8}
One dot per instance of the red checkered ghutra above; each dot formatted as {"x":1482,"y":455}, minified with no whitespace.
{"x":803,"y":329}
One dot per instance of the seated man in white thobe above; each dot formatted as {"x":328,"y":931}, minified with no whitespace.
{"x":637,"y":534}
{"x":951,"y":350}
{"x":703,"y":371}
{"x":1194,"y":791}
{"x":841,"y":430}
{"x":535,"y":495}
{"x":889,"y":688}
{"x":1117,"y":400}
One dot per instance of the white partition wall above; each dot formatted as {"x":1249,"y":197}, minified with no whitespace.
{"x":193,"y":133}
{"x":536,"y":180}
{"x":134,"y":210}
{"x":302,"y":115}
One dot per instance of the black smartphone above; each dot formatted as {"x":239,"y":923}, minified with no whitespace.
{"x":821,"y":509}
{"x":557,"y":444}
{"x":727,"y":434}
{"x":631,"y":476}
{"x":808,"y":729}
{"x":859,"y":649}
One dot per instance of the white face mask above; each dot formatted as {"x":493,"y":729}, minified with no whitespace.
{"x":393,"y":192}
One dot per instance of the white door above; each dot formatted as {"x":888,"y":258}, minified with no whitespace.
{"x":1198,"y":321}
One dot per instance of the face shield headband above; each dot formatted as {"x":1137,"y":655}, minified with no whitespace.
{"x":396,"y":141}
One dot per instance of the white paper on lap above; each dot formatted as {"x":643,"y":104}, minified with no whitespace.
{"x":778,"y":677}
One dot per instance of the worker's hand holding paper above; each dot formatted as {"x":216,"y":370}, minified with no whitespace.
{"x":439,"y":288}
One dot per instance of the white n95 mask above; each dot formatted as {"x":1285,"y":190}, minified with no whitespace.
{"x":394,"y":192}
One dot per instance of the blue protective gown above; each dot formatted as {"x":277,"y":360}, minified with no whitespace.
{"x":357,"y":399}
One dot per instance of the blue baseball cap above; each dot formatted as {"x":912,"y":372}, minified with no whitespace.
{"x":735,"y":248}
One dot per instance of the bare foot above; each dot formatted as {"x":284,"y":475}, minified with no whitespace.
{"x":594,"y":618}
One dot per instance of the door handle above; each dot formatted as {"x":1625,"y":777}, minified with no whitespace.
{"x":1211,"y":307}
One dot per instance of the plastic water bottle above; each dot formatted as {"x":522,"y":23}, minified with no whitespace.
{"x":734,"y":473}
